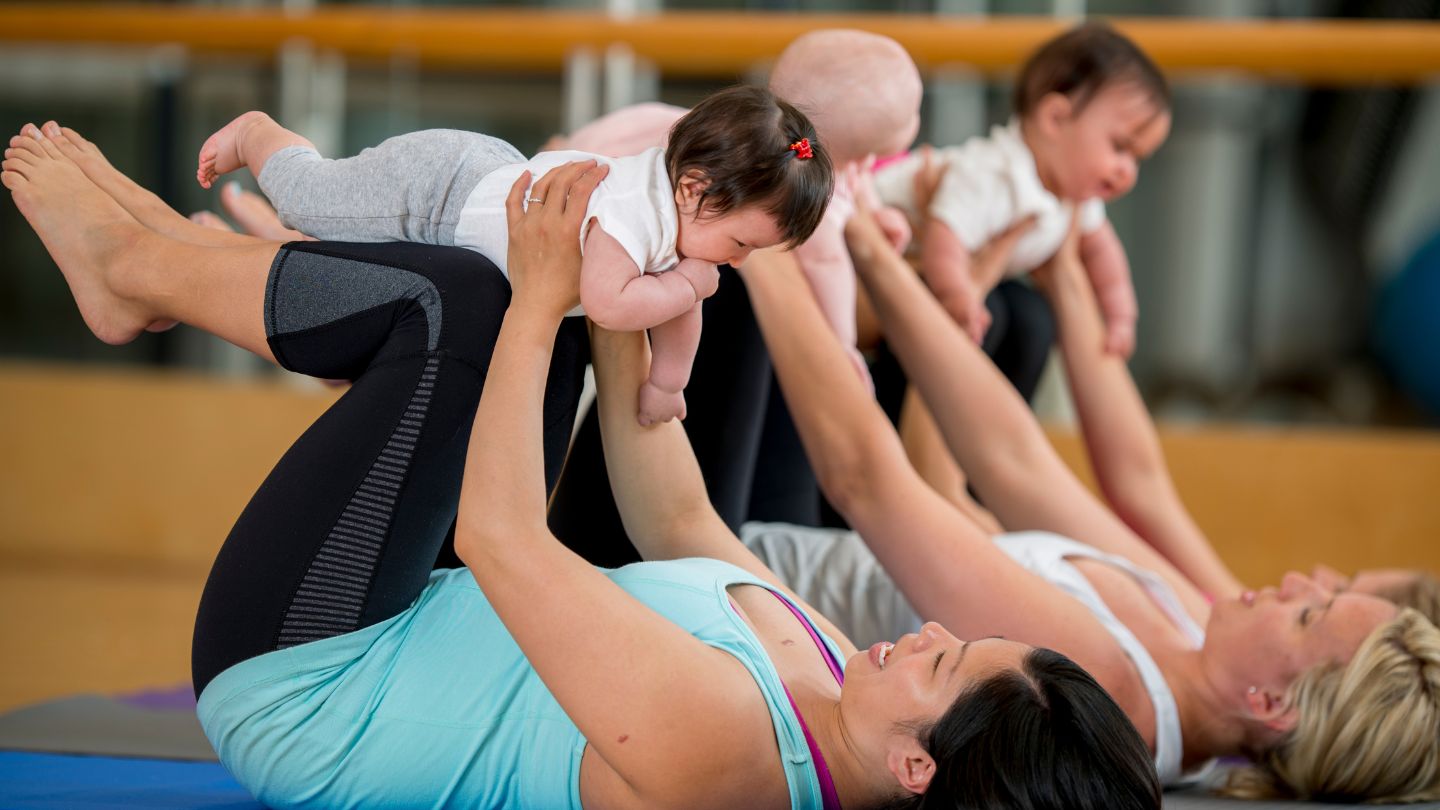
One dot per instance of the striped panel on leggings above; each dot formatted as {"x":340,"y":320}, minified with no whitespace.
{"x":332,"y":593}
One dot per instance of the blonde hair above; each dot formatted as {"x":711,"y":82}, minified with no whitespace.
{"x":1368,"y":730}
{"x":1421,"y":593}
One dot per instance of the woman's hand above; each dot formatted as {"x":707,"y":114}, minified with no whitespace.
{"x":1064,"y":273}
{"x":545,"y":222}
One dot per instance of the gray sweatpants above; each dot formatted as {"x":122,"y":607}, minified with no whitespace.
{"x":410,"y":188}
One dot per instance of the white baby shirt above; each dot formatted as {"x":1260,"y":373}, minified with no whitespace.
{"x":634,"y":203}
{"x":990,"y":184}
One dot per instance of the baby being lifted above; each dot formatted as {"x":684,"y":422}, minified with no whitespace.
{"x":1089,"y":108}
{"x":742,"y":170}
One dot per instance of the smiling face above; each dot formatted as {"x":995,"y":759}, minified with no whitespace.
{"x":892,"y":689}
{"x":1097,"y":151}
{"x":726,"y":238}
{"x":1265,"y":639}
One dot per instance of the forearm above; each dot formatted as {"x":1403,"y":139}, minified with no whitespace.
{"x":846,"y":435}
{"x":504,"y":482}
{"x":643,"y":461}
{"x":641,"y":302}
{"x":934,"y":462}
{"x":831,"y":278}
{"x":657,"y":483}
{"x":1123,"y":444}
{"x":945,"y":266}
{"x":674,"y":344}
{"x":983,"y":420}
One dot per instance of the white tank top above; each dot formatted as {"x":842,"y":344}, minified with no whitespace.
{"x":835,"y":572}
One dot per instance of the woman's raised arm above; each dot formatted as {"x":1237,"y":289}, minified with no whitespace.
{"x":1120,"y":436}
{"x":946,"y":566}
{"x":666,"y":713}
{"x":643,"y":461}
{"x":994,"y":436}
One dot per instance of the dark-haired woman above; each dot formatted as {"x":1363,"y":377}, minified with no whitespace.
{"x":334,"y":670}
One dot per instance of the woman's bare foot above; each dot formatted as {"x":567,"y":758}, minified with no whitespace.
{"x":144,"y":206}
{"x":224,"y":152}
{"x":85,"y":231}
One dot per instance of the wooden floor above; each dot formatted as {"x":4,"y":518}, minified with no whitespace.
{"x":117,"y":489}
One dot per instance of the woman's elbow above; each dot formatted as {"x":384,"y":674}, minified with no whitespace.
{"x":849,"y":479}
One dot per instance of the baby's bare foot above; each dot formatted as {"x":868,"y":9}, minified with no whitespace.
{"x":84,"y":230}
{"x":224,"y":152}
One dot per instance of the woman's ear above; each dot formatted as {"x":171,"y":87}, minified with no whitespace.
{"x":689,"y":189}
{"x":912,"y":765}
{"x":1271,"y":711}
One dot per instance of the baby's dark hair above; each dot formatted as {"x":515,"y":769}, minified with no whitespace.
{"x":1046,"y":737}
{"x":739,"y":141}
{"x":1081,"y":62}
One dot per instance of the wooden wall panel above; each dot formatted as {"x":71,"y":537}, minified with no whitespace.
{"x":118,"y":487}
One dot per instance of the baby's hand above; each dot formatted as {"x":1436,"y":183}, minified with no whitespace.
{"x":861,"y":367}
{"x":1120,"y":339}
{"x":658,"y":406}
{"x":895,"y":227}
{"x":703,"y":276}
{"x":966,"y":305}
{"x":977,"y":320}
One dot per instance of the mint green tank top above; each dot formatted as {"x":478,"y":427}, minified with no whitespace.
{"x":437,"y":706}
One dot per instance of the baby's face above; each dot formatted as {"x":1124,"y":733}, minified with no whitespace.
{"x":728,"y":238}
{"x":1098,"y":152}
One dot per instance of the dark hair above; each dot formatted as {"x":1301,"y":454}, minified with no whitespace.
{"x":1045,"y":737}
{"x":1082,"y":61}
{"x":739,"y":140}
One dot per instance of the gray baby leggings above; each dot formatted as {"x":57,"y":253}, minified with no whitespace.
{"x":410,"y":188}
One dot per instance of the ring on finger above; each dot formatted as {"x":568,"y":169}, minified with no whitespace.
{"x":534,"y":200}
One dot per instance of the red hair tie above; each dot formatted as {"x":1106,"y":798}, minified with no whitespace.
{"x":802,"y":149}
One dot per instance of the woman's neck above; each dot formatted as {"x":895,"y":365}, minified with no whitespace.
{"x":1210,"y":724}
{"x":851,"y":767}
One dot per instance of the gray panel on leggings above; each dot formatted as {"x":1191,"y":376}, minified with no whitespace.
{"x":318,"y":289}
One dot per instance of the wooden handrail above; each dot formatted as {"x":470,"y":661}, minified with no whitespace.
{"x":725,"y":45}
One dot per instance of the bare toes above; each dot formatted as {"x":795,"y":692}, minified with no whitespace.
{"x":209,"y":219}
{"x":26,"y":144}
{"x":75,"y":138}
{"x":21,"y":154}
{"x":11,"y":180}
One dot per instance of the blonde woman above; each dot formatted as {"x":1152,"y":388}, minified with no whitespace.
{"x":1333,"y":696}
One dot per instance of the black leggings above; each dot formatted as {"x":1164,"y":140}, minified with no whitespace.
{"x":725,"y":400}
{"x":749,"y":452}
{"x":345,"y":530}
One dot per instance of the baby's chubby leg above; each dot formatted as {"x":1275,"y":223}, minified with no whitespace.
{"x":410,"y":188}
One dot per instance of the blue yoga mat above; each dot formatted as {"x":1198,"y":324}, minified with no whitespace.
{"x":49,"y":781}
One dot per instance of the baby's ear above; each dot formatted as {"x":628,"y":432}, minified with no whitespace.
{"x":688,"y":190}
{"x":1052,"y":110}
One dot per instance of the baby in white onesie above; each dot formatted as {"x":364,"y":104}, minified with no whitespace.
{"x":862,"y":91}
{"x":1090,"y":106}
{"x":742,"y":170}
